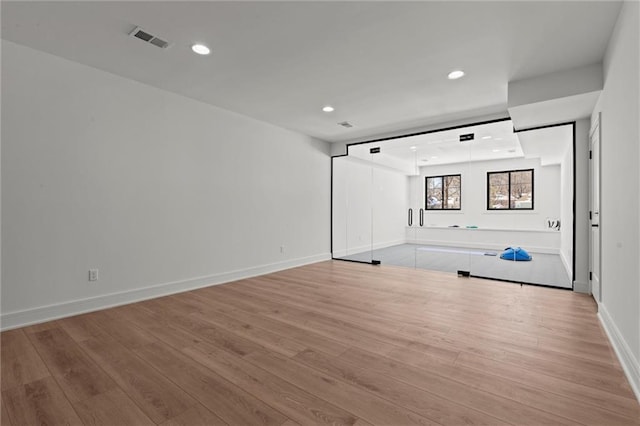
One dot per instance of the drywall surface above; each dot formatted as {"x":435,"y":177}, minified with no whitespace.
{"x":369,"y":206}
{"x":159,"y":192}
{"x":620,"y":188}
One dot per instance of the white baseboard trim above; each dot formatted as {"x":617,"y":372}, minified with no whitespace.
{"x":10,"y":320}
{"x":629,"y":363}
{"x":475,"y":245}
{"x":581,"y":287}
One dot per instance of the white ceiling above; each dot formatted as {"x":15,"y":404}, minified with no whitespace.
{"x":382,"y":65}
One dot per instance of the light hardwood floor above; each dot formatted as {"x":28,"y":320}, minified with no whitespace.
{"x":333,"y":342}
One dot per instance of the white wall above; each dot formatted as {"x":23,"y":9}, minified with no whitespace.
{"x":368,"y":206}
{"x":152,"y":188}
{"x":581,"y":282}
{"x":474,"y":195}
{"x":620,"y":184}
{"x":497,"y":229}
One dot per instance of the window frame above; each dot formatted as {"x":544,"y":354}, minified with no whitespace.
{"x":509,"y":172}
{"x":426,"y":193}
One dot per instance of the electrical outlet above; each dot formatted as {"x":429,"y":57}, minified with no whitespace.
{"x":93,"y":275}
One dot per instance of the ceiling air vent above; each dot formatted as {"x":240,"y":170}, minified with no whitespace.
{"x":345,"y":124}
{"x":149,"y":38}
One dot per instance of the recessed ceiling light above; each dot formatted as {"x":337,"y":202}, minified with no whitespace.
{"x":424,"y":160}
{"x":496,"y":150}
{"x":201,"y":49}
{"x":328,"y":108}
{"x":512,"y":150}
{"x":454,"y":75}
{"x":413,"y":148}
{"x":434,"y":156}
{"x":486,"y":137}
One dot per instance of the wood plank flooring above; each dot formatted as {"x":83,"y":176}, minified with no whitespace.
{"x":329,"y":343}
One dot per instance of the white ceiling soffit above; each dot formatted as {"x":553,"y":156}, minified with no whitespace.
{"x":554,"y":111}
{"x":381,"y":65}
{"x":555,"y":98}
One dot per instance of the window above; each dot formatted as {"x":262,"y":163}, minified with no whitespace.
{"x":443,"y":192}
{"x":510,"y":190}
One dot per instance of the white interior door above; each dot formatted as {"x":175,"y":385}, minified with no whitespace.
{"x":594,"y":236}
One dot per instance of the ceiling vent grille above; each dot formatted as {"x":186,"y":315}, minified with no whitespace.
{"x":345,"y":124}
{"x":149,"y":38}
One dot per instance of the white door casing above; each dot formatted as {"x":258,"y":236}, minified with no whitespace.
{"x":594,"y":208}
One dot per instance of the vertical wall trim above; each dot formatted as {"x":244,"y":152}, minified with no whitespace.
{"x":573,"y":248}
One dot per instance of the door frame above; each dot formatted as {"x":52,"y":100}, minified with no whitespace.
{"x":596,"y":126}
